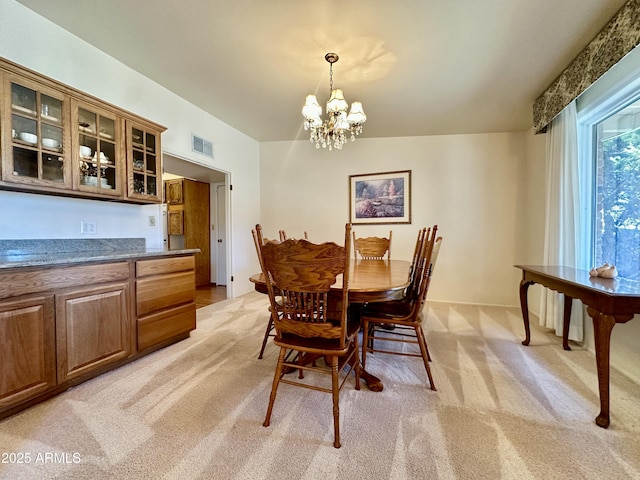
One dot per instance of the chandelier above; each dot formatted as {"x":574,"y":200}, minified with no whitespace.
{"x":333,"y":131}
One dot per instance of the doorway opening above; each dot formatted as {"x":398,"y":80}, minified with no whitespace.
{"x":211,"y":222}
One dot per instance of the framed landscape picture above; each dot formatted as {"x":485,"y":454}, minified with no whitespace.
{"x":380,"y":198}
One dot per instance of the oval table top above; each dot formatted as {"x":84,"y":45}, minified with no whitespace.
{"x":369,"y":280}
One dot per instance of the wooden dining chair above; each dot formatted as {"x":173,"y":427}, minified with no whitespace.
{"x":411,"y":290}
{"x":417,"y":256}
{"x":283,"y":235}
{"x":406,"y":314}
{"x":257,"y":242}
{"x":313,"y":323}
{"x":372,"y":247}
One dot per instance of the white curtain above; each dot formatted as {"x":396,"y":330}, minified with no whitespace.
{"x":563,"y":228}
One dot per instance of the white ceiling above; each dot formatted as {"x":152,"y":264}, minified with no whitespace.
{"x":420,"y":67}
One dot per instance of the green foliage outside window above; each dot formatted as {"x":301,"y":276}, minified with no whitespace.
{"x":618,"y":204}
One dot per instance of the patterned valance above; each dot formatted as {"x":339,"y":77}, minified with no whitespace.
{"x":615,"y":40}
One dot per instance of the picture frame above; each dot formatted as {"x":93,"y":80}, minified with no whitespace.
{"x":380,"y":198}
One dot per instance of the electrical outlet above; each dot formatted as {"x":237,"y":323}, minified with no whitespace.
{"x":88,"y":228}
{"x":152,"y":220}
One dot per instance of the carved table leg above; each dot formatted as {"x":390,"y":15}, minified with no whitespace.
{"x":373,"y":383}
{"x":524,"y":286}
{"x":602,"y":326}
{"x":566,"y":320}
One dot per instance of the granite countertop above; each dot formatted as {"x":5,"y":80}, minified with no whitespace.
{"x":29,"y":253}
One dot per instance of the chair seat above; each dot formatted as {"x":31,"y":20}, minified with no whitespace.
{"x":315,"y":344}
{"x":408,"y":321}
{"x":393,"y":309}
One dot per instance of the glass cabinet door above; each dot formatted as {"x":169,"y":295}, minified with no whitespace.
{"x":38,"y":152}
{"x":99,"y":162}
{"x":144,"y":167}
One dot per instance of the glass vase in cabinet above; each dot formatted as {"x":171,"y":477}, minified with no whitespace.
{"x":36,"y":138}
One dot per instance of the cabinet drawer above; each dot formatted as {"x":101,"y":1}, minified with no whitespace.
{"x":19,"y":282}
{"x":145,"y":268}
{"x":165,"y":291}
{"x":164,"y":325}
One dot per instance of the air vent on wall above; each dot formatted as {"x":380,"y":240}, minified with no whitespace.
{"x":200,"y":145}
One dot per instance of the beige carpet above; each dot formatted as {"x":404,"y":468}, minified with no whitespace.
{"x":195,"y":409}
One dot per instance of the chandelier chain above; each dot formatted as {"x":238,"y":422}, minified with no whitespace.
{"x":330,"y":78}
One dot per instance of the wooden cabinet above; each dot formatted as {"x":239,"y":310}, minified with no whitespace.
{"x":144,"y":167}
{"x":188,"y":222}
{"x":35,"y":134}
{"x":98,"y":150}
{"x":63,"y":324}
{"x":173,"y":192}
{"x":55,"y":139}
{"x":165,"y":299}
{"x":27,"y":349}
{"x":92,"y":329}
{"x":176,"y":222}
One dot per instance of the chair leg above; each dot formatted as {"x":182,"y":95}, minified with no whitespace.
{"x":358,"y":366}
{"x":425,"y":354}
{"x":371,"y":331}
{"x":335,"y":389}
{"x":426,"y":346}
{"x":266,"y":337}
{"x":365,"y":342}
{"x":274,"y":386}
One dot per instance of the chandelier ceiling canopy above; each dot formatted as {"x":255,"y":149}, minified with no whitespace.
{"x":334,"y":130}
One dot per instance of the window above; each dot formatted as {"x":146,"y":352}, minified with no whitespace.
{"x":609,"y":157}
{"x":616,"y":215}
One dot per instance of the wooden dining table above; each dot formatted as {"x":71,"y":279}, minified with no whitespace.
{"x":369,"y":281}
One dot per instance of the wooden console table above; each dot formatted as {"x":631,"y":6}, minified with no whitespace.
{"x":608,"y":301}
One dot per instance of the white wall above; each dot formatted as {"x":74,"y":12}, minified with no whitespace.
{"x":467,"y":184}
{"x":36,"y":43}
{"x":532,"y":198}
{"x":26,"y":215}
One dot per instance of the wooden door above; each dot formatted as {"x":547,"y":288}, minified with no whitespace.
{"x":27,"y":349}
{"x":197,"y":226}
{"x":36,"y":146}
{"x":144,"y":163}
{"x":173,"y":191}
{"x":176,"y":222}
{"x":92,"y":328}
{"x":98,"y":150}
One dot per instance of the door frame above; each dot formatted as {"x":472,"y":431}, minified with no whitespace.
{"x":219,"y":251}
{"x":195,"y":165}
